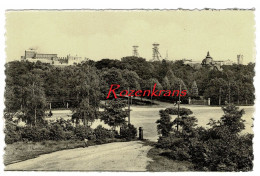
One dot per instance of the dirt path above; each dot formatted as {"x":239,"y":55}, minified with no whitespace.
{"x":119,"y":156}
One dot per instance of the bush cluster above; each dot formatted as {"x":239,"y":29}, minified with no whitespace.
{"x":183,"y":111}
{"x":12,"y":133}
{"x":219,"y":148}
{"x":102,"y":134}
{"x":63,"y":130}
{"x":128,"y":132}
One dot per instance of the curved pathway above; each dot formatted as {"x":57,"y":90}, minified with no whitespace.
{"x":119,"y":156}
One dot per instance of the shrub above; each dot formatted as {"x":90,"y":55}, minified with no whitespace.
{"x":12,"y":137}
{"x":167,"y":142}
{"x":183,"y":111}
{"x":181,"y":154}
{"x":128,"y":132}
{"x":102,"y":134}
{"x":12,"y":133}
{"x":65,"y":124}
{"x":44,"y":134}
{"x":81,"y":132}
{"x":56,"y":132}
{"x":29,"y":133}
{"x":69,"y":135}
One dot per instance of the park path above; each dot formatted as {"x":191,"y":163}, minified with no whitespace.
{"x":118,"y":156}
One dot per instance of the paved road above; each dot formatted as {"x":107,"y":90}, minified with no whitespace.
{"x":119,"y":156}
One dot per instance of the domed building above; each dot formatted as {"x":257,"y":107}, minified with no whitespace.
{"x":208,"y":60}
{"x":213,"y":65}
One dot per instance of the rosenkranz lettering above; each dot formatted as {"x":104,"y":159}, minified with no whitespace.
{"x":138,"y":93}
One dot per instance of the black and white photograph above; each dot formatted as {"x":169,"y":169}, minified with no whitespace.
{"x":129,"y":90}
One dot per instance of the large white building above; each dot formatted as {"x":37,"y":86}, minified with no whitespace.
{"x":32,"y":55}
{"x":208,"y":61}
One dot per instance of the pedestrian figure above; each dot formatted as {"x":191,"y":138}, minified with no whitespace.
{"x":85,"y":142}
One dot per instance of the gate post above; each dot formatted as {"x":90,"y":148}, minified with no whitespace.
{"x":209,"y":101}
{"x":141,"y":137}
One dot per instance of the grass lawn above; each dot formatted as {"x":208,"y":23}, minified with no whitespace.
{"x":20,"y":151}
{"x":161,"y":163}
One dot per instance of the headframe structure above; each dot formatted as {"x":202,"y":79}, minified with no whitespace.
{"x":156,"y":53}
{"x":135,"y":51}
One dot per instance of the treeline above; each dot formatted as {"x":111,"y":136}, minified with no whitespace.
{"x":30,"y":87}
{"x":70,"y":84}
{"x":234,"y":84}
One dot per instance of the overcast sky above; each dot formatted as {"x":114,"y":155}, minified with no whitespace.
{"x":111,"y":34}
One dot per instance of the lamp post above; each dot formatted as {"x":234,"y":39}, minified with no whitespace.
{"x":228,"y":91}
{"x":228,"y":87}
{"x":179,"y":102}
{"x":128,"y":108}
{"x":219,"y":100}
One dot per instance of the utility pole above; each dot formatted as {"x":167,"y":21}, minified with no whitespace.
{"x":228,"y":91}
{"x":88,"y":111}
{"x":151,"y":96}
{"x":35,"y":111}
{"x":88,"y":91}
{"x":238,"y":95}
{"x":84,"y":122}
{"x":128,"y":108}
{"x":179,"y":108}
{"x":228,"y":87}
{"x":219,"y":100}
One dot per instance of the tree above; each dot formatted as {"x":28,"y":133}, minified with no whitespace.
{"x":84,"y":112}
{"x":217,"y":90}
{"x":114,"y":114}
{"x":166,"y":84}
{"x":163,"y":69}
{"x":88,"y":89}
{"x":202,"y":79}
{"x":219,"y":148}
{"x":232,"y":118}
{"x":109,"y":77}
{"x":187,"y":125}
{"x":175,"y":82}
{"x":194,"y":89}
{"x":132,"y":79}
{"x":224,"y":149}
{"x":164,"y":126}
{"x":183,"y":112}
{"x":149,"y":84}
{"x":143,"y":68}
{"x":35,"y":102}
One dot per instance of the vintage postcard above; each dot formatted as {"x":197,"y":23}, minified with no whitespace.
{"x":129,"y":90}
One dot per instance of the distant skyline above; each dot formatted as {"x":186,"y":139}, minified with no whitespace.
{"x":111,"y":34}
